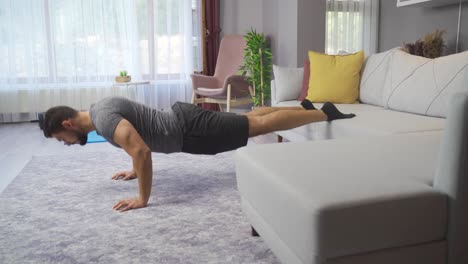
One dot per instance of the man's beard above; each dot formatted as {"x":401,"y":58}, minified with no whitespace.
{"x":82,"y":137}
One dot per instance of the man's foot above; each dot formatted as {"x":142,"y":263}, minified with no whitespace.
{"x":307,"y":105}
{"x":333,"y":113}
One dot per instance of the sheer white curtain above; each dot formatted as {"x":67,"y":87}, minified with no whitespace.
{"x":352,"y":25}
{"x":67,"y":52}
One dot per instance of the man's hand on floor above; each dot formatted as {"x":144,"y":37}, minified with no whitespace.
{"x":125,"y":205}
{"x":124,"y":175}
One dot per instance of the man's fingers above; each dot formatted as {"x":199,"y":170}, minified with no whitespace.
{"x":119,"y":205}
{"x":116,"y":176}
{"x":128,"y":177}
{"x":125,"y":207}
{"x":124,"y":176}
{"x":128,"y":207}
{"x":119,"y":175}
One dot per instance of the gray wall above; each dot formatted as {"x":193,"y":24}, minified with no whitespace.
{"x":296,"y":26}
{"x":311,"y":28}
{"x":293,"y":26}
{"x":238,"y":16}
{"x":408,"y":24}
{"x":285,"y":32}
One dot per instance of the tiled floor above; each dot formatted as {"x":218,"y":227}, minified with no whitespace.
{"x":20,"y":141}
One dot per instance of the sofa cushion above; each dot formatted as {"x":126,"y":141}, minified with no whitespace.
{"x":423,"y":86}
{"x":337,"y":198}
{"x":369,"y":121}
{"x":290,"y":79}
{"x":373,"y":75}
{"x":334,"y":78}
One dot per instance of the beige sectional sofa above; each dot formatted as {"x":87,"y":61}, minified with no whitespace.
{"x":399,"y":93}
{"x":383,"y":190}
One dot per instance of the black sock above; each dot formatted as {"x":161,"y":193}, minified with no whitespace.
{"x":333,"y":113}
{"x":308,"y":105}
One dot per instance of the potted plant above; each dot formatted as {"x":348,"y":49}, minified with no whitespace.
{"x":432,"y":46}
{"x":123,"y":77}
{"x":257,"y":66}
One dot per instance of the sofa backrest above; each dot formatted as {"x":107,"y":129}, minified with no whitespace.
{"x":452,"y":177}
{"x":424,"y":86}
{"x":400,"y":81}
{"x":373,"y":76}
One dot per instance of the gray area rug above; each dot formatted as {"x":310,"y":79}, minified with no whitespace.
{"x":59,"y":210}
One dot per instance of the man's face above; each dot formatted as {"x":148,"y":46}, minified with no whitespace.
{"x":71,"y":137}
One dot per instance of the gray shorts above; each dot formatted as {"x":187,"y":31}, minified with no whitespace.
{"x":209,"y":132}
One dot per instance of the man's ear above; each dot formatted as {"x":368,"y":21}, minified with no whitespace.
{"x":67,"y":124}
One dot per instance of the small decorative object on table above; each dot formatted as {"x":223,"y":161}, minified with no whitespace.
{"x":123,"y":77}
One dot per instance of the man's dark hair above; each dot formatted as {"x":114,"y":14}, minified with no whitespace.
{"x":54,"y":117}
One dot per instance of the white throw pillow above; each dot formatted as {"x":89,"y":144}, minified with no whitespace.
{"x":288,"y":83}
{"x":423,"y":86}
{"x":373,"y":75}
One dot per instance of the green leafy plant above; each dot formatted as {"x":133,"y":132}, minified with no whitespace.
{"x":123,"y":73}
{"x":257,"y":66}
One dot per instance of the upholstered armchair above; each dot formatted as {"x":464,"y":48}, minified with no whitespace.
{"x":225,"y":86}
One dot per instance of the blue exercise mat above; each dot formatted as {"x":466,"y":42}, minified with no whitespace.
{"x":93,"y":137}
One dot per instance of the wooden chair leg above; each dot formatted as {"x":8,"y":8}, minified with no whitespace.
{"x":193,"y":97}
{"x":228,"y":106}
{"x":254,"y":232}
{"x":280,"y":139}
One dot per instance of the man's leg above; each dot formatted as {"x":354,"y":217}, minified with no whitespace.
{"x":283,"y":120}
{"x":261,"y":111}
{"x":288,"y":119}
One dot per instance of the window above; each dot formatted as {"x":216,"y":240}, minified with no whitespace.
{"x":55,"y":41}
{"x":351,"y":25}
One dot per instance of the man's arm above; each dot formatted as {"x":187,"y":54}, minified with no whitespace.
{"x":128,"y":138}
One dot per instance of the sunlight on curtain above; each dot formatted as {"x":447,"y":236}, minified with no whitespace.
{"x":352,"y":26}
{"x":67,"y":52}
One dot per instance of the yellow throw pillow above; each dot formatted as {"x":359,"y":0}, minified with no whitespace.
{"x":334,"y":78}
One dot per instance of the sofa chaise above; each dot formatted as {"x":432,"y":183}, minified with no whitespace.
{"x":387,"y":186}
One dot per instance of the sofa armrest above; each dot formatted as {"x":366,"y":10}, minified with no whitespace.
{"x":451,"y":176}
{"x":273,"y":93}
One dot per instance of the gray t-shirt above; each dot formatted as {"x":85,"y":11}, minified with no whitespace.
{"x":159,"y":129}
